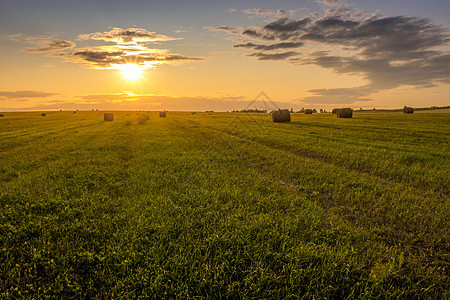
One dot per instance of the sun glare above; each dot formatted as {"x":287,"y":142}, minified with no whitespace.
{"x":131,"y":71}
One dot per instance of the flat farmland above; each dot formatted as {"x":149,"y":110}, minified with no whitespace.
{"x":224,"y":205}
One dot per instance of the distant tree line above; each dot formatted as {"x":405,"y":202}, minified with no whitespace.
{"x":250,"y":110}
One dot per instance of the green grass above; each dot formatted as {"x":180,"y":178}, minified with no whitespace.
{"x":217,"y":205}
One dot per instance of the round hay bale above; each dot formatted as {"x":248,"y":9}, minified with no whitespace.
{"x":281,"y":115}
{"x":2,"y":115}
{"x":408,"y":110}
{"x":334,"y":111}
{"x":162,"y":114}
{"x":108,"y":117}
{"x":43,"y":114}
{"x":344,"y":113}
{"x":308,"y":111}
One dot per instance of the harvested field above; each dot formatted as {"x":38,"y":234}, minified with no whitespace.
{"x":226,"y":206}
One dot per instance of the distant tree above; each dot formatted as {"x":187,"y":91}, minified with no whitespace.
{"x":321,"y":110}
{"x":314,"y":110}
{"x":255,"y":110}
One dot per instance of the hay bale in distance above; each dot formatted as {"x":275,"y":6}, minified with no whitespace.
{"x":344,"y":113}
{"x":408,"y":110}
{"x":162,"y":114}
{"x":334,"y":111}
{"x":2,"y":115}
{"x":108,"y":117}
{"x":281,"y":116}
{"x":308,"y":111}
{"x":43,"y":114}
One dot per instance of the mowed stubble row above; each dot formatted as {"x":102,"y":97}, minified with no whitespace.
{"x":224,"y":205}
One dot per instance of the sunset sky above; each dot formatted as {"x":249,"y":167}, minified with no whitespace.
{"x":219,"y":55}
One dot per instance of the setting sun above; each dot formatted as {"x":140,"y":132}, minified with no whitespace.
{"x":130,"y":71}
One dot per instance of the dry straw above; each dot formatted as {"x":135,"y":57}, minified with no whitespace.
{"x":308,"y":111}
{"x":281,"y":115}
{"x":344,"y":113}
{"x":162,"y":114}
{"x":408,"y":110}
{"x":108,"y":117}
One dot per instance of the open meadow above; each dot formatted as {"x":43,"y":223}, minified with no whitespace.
{"x":224,"y":205}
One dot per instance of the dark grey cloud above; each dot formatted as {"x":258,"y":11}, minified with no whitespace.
{"x":372,"y":36}
{"x":25,"y":94}
{"x":271,"y":56}
{"x":229,"y":29}
{"x":284,"y":26}
{"x":427,"y":71}
{"x":51,"y":45}
{"x":255,"y":34}
{"x":386,"y":51}
{"x":99,"y":58}
{"x":126,"y":36}
{"x":285,"y":45}
{"x":107,"y":57}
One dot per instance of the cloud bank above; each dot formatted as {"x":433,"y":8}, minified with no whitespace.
{"x":387,"y":52}
{"x":109,"y":57}
{"x":130,"y":46}
{"x":13,"y":95}
{"x":42,"y":44}
{"x":126,"y":36}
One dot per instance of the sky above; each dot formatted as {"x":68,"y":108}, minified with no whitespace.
{"x":220,"y":55}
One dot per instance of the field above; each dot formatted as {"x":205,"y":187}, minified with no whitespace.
{"x":224,"y":205}
{"x":434,"y":111}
